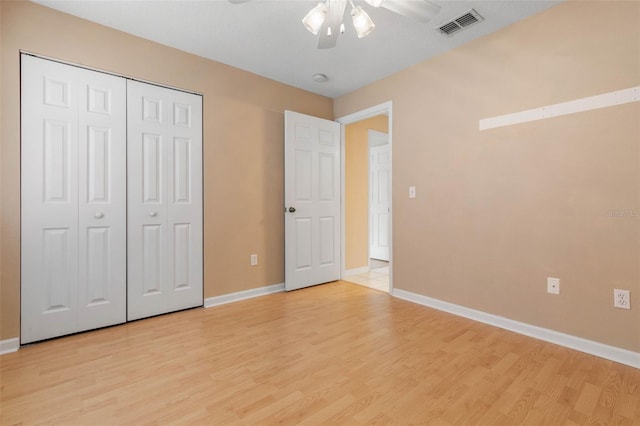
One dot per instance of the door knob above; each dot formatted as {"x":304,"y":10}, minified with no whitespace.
{"x":98,"y":215}
{"x":153,"y":214}
{"x":292,"y":209}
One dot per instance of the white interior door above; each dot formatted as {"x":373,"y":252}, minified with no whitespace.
{"x":72,"y":198}
{"x":312,"y":200}
{"x":379,"y":201}
{"x":164,"y":200}
{"x":102,"y":200}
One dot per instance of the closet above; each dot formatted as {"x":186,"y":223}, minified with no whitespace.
{"x":164,"y":182}
{"x":111,"y":199}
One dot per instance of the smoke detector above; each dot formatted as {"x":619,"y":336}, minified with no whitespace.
{"x":320,"y":78}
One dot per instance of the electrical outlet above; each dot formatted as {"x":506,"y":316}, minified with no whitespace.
{"x":254,"y":259}
{"x":553,"y":285}
{"x":621,"y":299}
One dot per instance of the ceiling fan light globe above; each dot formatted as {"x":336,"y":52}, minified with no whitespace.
{"x":315,"y":18}
{"x":375,"y":3}
{"x":361,"y":22}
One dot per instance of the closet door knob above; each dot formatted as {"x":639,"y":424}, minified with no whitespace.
{"x":99,"y":215}
{"x":153,"y":214}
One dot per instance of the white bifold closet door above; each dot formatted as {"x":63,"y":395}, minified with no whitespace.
{"x":164,"y":246}
{"x":111,"y":199}
{"x":73,"y":185}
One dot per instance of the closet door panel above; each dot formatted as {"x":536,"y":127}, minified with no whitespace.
{"x":102,"y":200}
{"x":147,"y":241}
{"x":49,"y":201}
{"x":73,"y":228}
{"x":164,"y":200}
{"x":184,"y":201}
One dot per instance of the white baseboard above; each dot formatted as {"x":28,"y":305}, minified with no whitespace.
{"x":355,"y":271}
{"x":9,"y":345}
{"x":242,"y":295}
{"x":623,"y":356}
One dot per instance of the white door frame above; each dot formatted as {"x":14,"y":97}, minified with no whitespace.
{"x":383,"y":108}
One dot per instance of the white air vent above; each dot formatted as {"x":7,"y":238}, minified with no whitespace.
{"x":461,"y":22}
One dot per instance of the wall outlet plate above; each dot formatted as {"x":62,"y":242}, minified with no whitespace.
{"x":621,"y":299}
{"x":553,"y":285}
{"x":254,"y":259}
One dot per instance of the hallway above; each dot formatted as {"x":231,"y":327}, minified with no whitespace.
{"x":377,"y":278}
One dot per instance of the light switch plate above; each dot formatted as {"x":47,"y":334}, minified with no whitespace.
{"x":412,"y":192}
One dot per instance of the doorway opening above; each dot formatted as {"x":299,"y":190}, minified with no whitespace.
{"x":366,"y":191}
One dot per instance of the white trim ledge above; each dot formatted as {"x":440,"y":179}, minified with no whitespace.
{"x":243,"y":295}
{"x":612,"y":353}
{"x":9,"y":345}
{"x":605,"y":100}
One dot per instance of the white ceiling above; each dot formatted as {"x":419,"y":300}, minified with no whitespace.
{"x":266,"y":37}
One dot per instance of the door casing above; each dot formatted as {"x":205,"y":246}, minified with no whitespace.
{"x":385,"y":108}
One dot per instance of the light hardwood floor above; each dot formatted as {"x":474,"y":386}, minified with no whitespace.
{"x":336,"y":353}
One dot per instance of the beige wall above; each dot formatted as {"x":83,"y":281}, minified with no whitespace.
{"x":501,"y":210}
{"x":243,"y":144}
{"x":356,"y":186}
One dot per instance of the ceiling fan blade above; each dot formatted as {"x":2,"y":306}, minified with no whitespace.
{"x":420,"y":10}
{"x":333,"y":21}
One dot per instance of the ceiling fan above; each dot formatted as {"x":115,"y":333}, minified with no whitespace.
{"x":326,"y":18}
